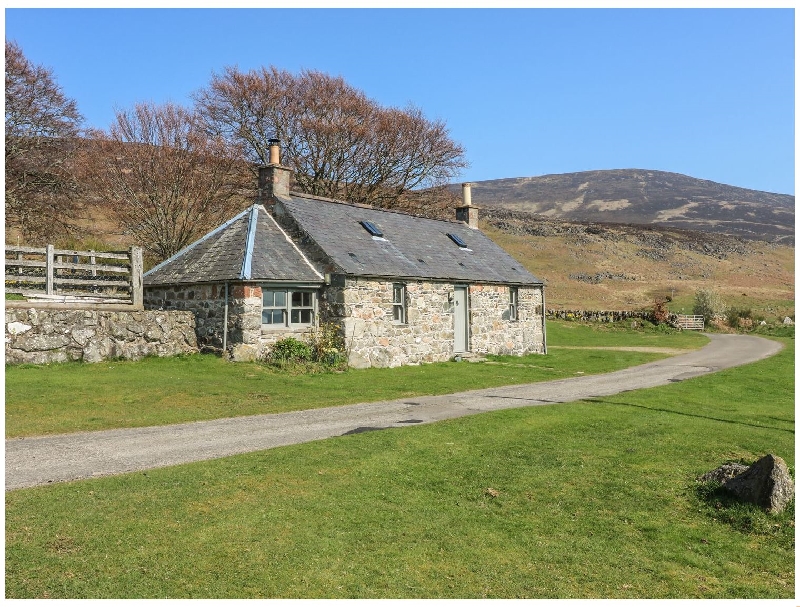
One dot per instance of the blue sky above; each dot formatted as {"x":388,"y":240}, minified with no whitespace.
{"x":704,"y":92}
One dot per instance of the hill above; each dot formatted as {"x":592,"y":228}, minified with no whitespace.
{"x":626,"y":267}
{"x":635,"y":196}
{"x":596,"y":263}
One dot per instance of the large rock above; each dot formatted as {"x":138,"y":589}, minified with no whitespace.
{"x":242,"y":353}
{"x":723,"y":473}
{"x":767,"y":483}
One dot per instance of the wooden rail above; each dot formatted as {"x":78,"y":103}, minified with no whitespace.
{"x":691,"y":323}
{"x":75,"y":277}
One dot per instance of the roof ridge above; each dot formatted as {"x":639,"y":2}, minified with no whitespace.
{"x":359,"y":205}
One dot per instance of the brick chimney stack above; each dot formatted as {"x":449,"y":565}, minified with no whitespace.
{"x":274,"y":180}
{"x":466,"y":212}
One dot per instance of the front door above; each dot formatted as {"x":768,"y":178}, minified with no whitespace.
{"x":461,"y":318}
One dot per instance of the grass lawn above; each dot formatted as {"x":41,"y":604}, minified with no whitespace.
{"x":71,"y":397}
{"x":593,"y":499}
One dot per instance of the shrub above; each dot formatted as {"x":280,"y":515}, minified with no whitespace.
{"x":290,"y":349}
{"x":740,"y":318}
{"x":327,"y":344}
{"x":321,"y":350}
{"x":708,"y":304}
{"x":660,"y":311}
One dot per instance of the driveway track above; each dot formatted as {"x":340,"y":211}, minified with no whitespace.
{"x":49,"y":459}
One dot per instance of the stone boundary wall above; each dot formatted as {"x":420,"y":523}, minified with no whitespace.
{"x":42,"y":336}
{"x":606,"y":315}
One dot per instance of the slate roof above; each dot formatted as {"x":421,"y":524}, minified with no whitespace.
{"x":411,"y":247}
{"x":251,"y":246}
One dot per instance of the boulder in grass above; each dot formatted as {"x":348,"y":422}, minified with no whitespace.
{"x":767,"y":483}
{"x":723,"y":473}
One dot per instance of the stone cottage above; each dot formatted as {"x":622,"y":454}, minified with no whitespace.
{"x":402,"y":289}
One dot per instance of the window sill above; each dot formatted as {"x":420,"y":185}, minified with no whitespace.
{"x":285,"y":329}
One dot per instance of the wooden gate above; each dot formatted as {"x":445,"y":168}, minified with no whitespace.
{"x":691,"y":322}
{"x":65,"y":276}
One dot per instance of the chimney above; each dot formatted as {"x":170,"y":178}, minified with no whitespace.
{"x":273,"y":180}
{"x":466,"y":212}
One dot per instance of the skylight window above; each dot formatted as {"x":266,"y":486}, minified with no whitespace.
{"x":458,"y":240}
{"x":371,"y":228}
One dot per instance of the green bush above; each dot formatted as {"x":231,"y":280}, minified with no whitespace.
{"x":735,"y":316}
{"x":290,"y":349}
{"x":708,"y":304}
{"x":321,"y":350}
{"x":327,"y":344}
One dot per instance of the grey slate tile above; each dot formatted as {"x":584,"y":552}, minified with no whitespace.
{"x":412,"y":247}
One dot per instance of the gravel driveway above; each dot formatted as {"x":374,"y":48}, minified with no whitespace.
{"x":50,"y":459}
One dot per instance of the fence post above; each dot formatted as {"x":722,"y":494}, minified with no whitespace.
{"x":49,"y":269}
{"x":137,"y":286}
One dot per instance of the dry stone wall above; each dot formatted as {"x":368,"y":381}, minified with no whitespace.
{"x":42,"y":336}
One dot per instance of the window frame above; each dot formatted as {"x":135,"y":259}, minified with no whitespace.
{"x":289,"y":307}
{"x":513,"y":304}
{"x":399,"y":303}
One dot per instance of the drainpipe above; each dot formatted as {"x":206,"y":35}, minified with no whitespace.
{"x":544,"y":322}
{"x":225,"y":324}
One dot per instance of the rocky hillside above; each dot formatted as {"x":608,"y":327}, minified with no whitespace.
{"x":634,"y":196}
{"x":628,"y":267}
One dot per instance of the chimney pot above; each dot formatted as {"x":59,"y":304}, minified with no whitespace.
{"x":466,"y":212}
{"x":274,"y":180}
{"x":274,"y":151}
{"x":466,"y":193}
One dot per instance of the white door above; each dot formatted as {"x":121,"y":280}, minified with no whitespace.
{"x":461,"y":319}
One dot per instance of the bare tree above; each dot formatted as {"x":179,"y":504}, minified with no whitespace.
{"x":340,"y":143}
{"x":42,"y":126}
{"x":165,"y":180}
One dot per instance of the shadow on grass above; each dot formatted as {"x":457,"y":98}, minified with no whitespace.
{"x":695,"y":415}
{"x":722,"y":506}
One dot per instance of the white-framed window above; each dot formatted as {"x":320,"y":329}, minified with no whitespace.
{"x":284,"y":307}
{"x":399,"y":303}
{"x":513,"y":303}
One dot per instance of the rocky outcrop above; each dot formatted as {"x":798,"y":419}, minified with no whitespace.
{"x":651,"y":242}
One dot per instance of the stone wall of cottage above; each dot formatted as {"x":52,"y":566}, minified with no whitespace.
{"x":246,"y":338}
{"x":206,"y":302}
{"x":43,"y":336}
{"x":492,"y":331}
{"x":364,"y":309}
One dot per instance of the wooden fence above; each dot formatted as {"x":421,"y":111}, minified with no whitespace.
{"x":62,"y":276}
{"x":692,"y":323}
